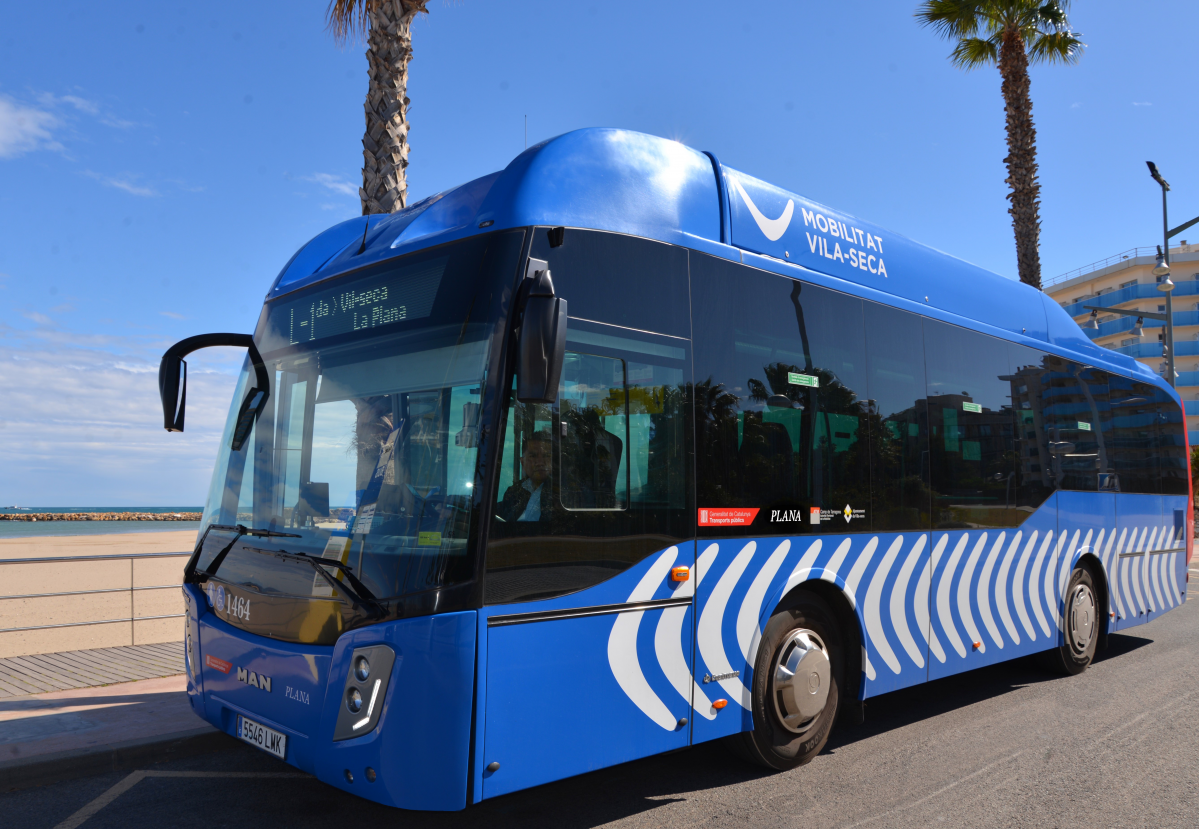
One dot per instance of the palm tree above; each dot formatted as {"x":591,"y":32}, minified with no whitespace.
{"x":387,"y":25}
{"x":1012,"y":34}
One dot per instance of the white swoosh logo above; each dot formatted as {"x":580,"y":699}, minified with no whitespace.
{"x":773,"y":229}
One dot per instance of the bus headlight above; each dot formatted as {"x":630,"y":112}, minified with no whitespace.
{"x":365,"y":690}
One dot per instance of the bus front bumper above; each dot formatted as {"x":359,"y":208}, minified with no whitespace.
{"x":417,"y":752}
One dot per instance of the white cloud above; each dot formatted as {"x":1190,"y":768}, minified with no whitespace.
{"x":25,"y":128}
{"x":81,"y":420}
{"x":335,"y":183}
{"x":81,"y":104}
{"x":34,"y":316}
{"x":122,"y":183}
{"x":172,"y":315}
{"x":1142,"y":104}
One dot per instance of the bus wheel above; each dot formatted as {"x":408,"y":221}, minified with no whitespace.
{"x":796,"y":685}
{"x":1080,"y":626}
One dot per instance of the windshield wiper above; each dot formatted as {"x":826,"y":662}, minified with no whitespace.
{"x":239,"y":530}
{"x":360,"y":596}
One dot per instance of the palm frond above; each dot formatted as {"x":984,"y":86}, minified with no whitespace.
{"x":1054,"y":13}
{"x":1055,"y":47}
{"x":952,"y":19}
{"x":973,"y":52}
{"x":347,"y":19}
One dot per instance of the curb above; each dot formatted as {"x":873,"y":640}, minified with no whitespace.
{"x":43,"y":769}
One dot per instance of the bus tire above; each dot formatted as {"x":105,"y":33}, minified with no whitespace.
{"x":1080,"y":626}
{"x":792,"y":722}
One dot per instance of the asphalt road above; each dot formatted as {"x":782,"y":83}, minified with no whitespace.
{"x":1005,"y":746}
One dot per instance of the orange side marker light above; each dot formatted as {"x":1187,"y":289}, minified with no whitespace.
{"x":680,"y":574}
{"x":978,"y":645}
{"x":720,"y":703}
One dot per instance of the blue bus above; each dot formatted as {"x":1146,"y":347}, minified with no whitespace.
{"x":619,"y":450}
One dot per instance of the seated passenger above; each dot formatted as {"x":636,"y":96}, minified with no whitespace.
{"x":532,"y":498}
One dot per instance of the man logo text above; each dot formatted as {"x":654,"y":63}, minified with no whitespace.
{"x":251,"y":678}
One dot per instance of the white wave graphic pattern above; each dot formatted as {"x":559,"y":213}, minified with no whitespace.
{"x":622,"y":646}
{"x":984,"y":577}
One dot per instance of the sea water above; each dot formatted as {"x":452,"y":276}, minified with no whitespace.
{"x":34,"y":529}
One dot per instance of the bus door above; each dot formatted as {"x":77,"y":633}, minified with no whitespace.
{"x":586,"y":646}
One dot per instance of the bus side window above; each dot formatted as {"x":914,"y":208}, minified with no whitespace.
{"x":901,"y":498}
{"x":781,"y":409}
{"x":1171,"y":445}
{"x":1134,"y":435}
{"x":594,"y":431}
{"x":973,"y":429}
{"x":593,"y":483}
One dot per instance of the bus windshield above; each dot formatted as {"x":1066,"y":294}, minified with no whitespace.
{"x":365,"y":450}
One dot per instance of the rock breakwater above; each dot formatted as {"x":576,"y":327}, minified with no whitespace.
{"x":101,"y":516}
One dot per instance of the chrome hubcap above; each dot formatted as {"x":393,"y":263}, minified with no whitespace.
{"x":801,"y":680}
{"x":1081,"y":614}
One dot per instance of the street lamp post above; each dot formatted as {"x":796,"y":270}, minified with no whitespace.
{"x":1162,"y":271}
{"x":1093,"y":322}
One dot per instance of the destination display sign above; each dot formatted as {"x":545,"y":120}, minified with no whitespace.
{"x":393,"y":296}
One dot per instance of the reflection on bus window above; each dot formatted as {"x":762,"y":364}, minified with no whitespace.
{"x":594,"y":482}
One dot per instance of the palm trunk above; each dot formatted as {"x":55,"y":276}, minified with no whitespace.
{"x":385,"y":143}
{"x":1022,"y":158}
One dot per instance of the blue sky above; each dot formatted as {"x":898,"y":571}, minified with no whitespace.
{"x":160,"y":162}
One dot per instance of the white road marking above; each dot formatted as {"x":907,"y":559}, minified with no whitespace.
{"x":136,"y":777}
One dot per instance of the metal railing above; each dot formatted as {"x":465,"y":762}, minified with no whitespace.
{"x":1114,"y":259}
{"x":131,"y":589}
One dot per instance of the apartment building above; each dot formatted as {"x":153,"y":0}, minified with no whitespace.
{"x":1126,"y":281}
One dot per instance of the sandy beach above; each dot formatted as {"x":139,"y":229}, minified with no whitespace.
{"x":52,"y":606}
{"x":175,"y":541}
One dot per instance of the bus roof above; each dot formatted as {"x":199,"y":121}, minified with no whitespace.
{"x":643,"y":185}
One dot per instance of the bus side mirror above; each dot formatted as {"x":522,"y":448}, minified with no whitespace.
{"x":172,"y":382}
{"x":172,"y":387}
{"x":542,"y":346}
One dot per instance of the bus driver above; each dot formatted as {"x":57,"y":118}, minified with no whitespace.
{"x":531,"y":498}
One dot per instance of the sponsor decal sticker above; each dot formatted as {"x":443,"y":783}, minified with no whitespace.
{"x":808,"y":380}
{"x":787,"y":516}
{"x":220,"y":597}
{"x":428,"y":539}
{"x":849,"y":513}
{"x":972,"y":407}
{"x":727,"y":516}
{"x":297,"y":695}
{"x":337,"y":548}
{"x":217,"y":664}
{"x":814,"y":515}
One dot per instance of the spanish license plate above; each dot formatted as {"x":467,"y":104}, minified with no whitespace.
{"x":259,"y":735}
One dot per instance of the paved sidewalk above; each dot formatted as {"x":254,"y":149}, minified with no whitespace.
{"x":95,"y":720}
{"x":23,"y":675}
{"x":85,"y":718}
